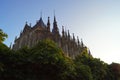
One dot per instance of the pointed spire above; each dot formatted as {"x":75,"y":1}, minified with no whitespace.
{"x":55,"y":28}
{"x":82,"y":43}
{"x":78,"y":40}
{"x":40,"y":22}
{"x":63,"y":33}
{"x":68,"y":34}
{"x":73,"y":37}
{"x":55,"y":18}
{"x":48,"y":24}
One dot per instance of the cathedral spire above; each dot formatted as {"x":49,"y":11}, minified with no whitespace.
{"x":48,"y":24}
{"x":63,"y":33}
{"x":68,"y":34}
{"x":73,"y":37}
{"x":82,"y":43}
{"x":40,"y":22}
{"x":55,"y":28}
{"x":54,"y":17}
{"x":55,"y":22}
{"x":78,"y":42}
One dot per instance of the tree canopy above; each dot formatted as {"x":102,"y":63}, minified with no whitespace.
{"x":3,"y":36}
{"x":46,"y":61}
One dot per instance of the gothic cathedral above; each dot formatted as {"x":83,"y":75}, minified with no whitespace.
{"x":40,"y":31}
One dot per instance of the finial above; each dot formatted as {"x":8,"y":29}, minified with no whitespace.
{"x":40,"y":14}
{"x":54,"y":12}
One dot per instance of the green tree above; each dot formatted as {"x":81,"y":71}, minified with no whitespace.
{"x":44,"y":61}
{"x":3,"y":36}
{"x":82,"y":68}
{"x":52,"y":63}
{"x":99,"y":69}
{"x":83,"y":72}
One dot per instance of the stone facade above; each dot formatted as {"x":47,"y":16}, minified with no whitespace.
{"x":40,"y":31}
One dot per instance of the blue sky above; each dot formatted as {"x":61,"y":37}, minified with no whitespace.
{"x":97,"y":22}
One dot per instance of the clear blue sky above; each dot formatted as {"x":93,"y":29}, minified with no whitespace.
{"x":97,"y":22}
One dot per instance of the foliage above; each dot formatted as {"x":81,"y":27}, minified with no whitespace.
{"x":3,"y":36}
{"x":46,"y":61}
{"x":98,"y":70}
